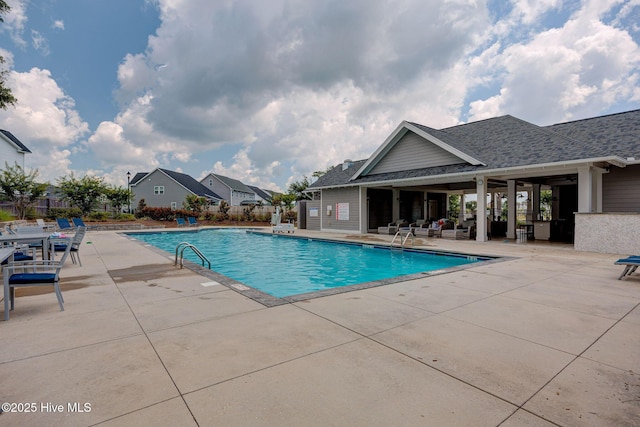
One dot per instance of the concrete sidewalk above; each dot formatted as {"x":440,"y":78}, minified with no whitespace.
{"x":548,"y":338}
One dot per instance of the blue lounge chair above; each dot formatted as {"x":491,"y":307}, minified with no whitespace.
{"x":78,"y":222}
{"x":41,"y":273}
{"x":64,"y":224}
{"x":631,"y":264}
{"x":181,"y":222}
{"x":192,"y":221}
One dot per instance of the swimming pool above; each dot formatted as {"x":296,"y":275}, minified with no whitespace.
{"x":282,"y":266}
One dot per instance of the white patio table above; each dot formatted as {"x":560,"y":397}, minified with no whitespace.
{"x":26,"y":238}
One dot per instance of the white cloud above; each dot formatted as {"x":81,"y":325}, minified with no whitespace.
{"x":44,"y":119}
{"x":288,"y":87}
{"x":40,"y":43}
{"x":58,"y":24}
{"x":15,"y":21}
{"x":577,"y":70}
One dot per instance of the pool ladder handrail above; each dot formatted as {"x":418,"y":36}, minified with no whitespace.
{"x":402,"y":241}
{"x":185,"y":245}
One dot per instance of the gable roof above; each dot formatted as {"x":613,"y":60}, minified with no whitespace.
{"x":233,"y":184}
{"x":260,"y":192}
{"x":501,"y":143}
{"x":20,"y":147}
{"x":182,"y":179}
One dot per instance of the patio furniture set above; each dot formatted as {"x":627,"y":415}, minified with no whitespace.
{"x":21,"y":266}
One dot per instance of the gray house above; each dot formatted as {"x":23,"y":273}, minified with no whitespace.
{"x":165,"y":188}
{"x":231,"y":190}
{"x":591,"y":167}
{"x":12,"y":151}
{"x":262,"y":195}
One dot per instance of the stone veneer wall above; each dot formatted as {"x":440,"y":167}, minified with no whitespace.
{"x":610,"y":233}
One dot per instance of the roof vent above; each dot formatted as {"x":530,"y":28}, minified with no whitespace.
{"x":347,"y":164}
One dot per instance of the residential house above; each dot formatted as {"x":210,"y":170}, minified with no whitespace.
{"x":262,"y":195}
{"x":231,"y":190}
{"x":12,"y":151}
{"x":591,"y":167}
{"x":165,"y":188}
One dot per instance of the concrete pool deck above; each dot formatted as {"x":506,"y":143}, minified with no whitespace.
{"x":547,"y":338}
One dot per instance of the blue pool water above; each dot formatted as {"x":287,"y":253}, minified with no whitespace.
{"x":283,"y":266}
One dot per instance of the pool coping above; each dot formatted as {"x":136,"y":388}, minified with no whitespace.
{"x":271,"y":301}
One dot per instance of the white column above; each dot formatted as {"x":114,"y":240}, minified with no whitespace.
{"x":461,"y":215}
{"x":585,"y":190}
{"x":481,"y":218}
{"x":536,"y":202}
{"x":512,"y":201}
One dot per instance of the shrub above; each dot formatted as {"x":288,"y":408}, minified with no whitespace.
{"x":54,"y":213}
{"x":6,"y":216}
{"x":99,"y":216}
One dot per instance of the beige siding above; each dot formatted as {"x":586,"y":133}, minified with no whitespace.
{"x":414,"y":152}
{"x":621,"y":190}
{"x":332,"y":198}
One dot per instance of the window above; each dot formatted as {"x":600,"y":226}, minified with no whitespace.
{"x":174,"y":206}
{"x":158,"y":189}
{"x":210,"y":182}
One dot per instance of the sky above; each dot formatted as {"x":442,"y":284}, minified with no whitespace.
{"x":268,"y":92}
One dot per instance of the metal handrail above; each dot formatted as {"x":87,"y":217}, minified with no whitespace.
{"x":195,"y":250}
{"x":409,"y":234}
{"x":402,"y":241}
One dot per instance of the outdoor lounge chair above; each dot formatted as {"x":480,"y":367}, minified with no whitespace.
{"x":285,"y":227}
{"x":38,"y":273}
{"x":64,"y":224}
{"x":631,"y":264}
{"x":393,"y":227}
{"x":44,"y":225}
{"x":78,"y":222}
{"x":193,"y":222}
{"x":181,"y":222}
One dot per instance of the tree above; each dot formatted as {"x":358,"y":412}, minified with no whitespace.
{"x":20,"y":188}
{"x":82,"y":193}
{"x":6,"y":97}
{"x":454,"y":206}
{"x":119,"y":197}
{"x":297,"y":189}
{"x":194,"y":203}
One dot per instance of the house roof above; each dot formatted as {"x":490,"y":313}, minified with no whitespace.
{"x":260,"y":192}
{"x":505,"y":142}
{"x":182,"y":179}
{"x":233,"y":184}
{"x":19,"y":145}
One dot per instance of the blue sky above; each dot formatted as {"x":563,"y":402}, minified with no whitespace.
{"x":270,"y":91}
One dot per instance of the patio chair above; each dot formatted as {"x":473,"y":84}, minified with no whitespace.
{"x":192,"y":221}
{"x":631,"y":264}
{"x":64,"y":224}
{"x":75,"y":246}
{"x":78,"y":222}
{"x":181,"y":222}
{"x":393,"y":227}
{"x":40,"y":273}
{"x":44,"y":225}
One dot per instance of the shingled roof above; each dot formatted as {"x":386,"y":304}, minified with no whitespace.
{"x":233,"y":184}
{"x":184,"y":180}
{"x":19,"y":145}
{"x":507,"y":142}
